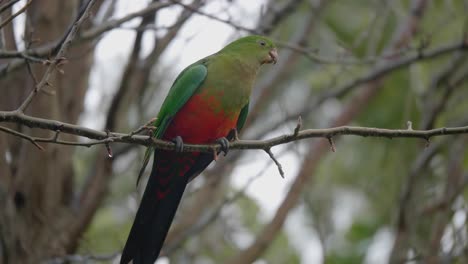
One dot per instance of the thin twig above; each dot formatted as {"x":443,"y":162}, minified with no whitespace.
{"x":38,"y":54}
{"x":444,"y":201}
{"x":298,"y":126}
{"x":31,"y":73}
{"x":10,"y":18}
{"x":7,"y":5}
{"x":278,"y":164}
{"x":5,"y":54}
{"x":21,"y":135}
{"x":332,"y":144}
{"x":59,"y":56}
{"x":147,"y":126}
{"x":108,"y":148}
{"x":114,"y":23}
{"x":225,"y":21}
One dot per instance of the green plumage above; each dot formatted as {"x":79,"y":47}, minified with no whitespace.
{"x":232,"y":70}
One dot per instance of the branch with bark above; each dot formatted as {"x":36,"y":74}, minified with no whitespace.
{"x":106,"y":137}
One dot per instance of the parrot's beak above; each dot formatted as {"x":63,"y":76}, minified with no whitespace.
{"x":273,"y":56}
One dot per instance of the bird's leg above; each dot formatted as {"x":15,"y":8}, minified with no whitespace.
{"x":233,"y":135}
{"x":179,"y":144}
{"x":224,"y":142}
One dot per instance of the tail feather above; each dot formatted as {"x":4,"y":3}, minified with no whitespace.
{"x":153,"y":219}
{"x":170,"y":174}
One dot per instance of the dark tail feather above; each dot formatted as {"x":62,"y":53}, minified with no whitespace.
{"x":153,"y":220}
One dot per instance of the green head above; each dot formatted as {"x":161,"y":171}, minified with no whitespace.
{"x":259,"y":48}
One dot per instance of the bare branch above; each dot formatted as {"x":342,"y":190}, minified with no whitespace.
{"x":277,"y":163}
{"x":59,"y":56}
{"x":274,"y":15}
{"x":5,"y":54}
{"x":298,"y":126}
{"x":445,"y":201}
{"x":225,"y":21}
{"x":147,"y":126}
{"x":111,"y":24}
{"x":9,"y":19}
{"x":7,"y":5}
{"x":38,"y":54}
{"x":332,"y":144}
{"x":443,"y":80}
{"x":21,"y":135}
{"x":105,"y":138}
{"x":398,"y":64}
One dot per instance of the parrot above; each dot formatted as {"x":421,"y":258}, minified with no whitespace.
{"x":207,"y":103}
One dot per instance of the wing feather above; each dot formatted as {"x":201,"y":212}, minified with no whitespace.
{"x":185,"y":85}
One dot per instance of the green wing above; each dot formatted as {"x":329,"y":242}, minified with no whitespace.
{"x":242,"y":117}
{"x":183,"y":88}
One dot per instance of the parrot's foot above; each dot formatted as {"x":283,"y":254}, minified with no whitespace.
{"x":233,"y":135}
{"x":224,"y":142}
{"x":179,"y":144}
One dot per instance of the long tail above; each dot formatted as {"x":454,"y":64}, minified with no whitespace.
{"x":170,"y":174}
{"x":157,"y":209}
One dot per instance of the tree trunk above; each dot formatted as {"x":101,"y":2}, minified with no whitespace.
{"x":36,"y":186}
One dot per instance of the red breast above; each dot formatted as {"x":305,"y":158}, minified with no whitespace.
{"x":200,"y":121}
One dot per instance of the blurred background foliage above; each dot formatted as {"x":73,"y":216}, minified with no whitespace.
{"x":373,"y":200}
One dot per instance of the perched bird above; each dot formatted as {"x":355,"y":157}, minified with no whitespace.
{"x":206,"y":103}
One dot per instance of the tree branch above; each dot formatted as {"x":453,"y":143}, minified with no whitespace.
{"x":7,"y":5}
{"x":21,"y":135}
{"x":102,"y":137}
{"x":59,"y":57}
{"x":113,"y":23}
{"x":38,"y":54}
{"x":224,"y":21}
{"x":9,"y":19}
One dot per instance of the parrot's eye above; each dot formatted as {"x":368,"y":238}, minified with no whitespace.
{"x":262,"y":43}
